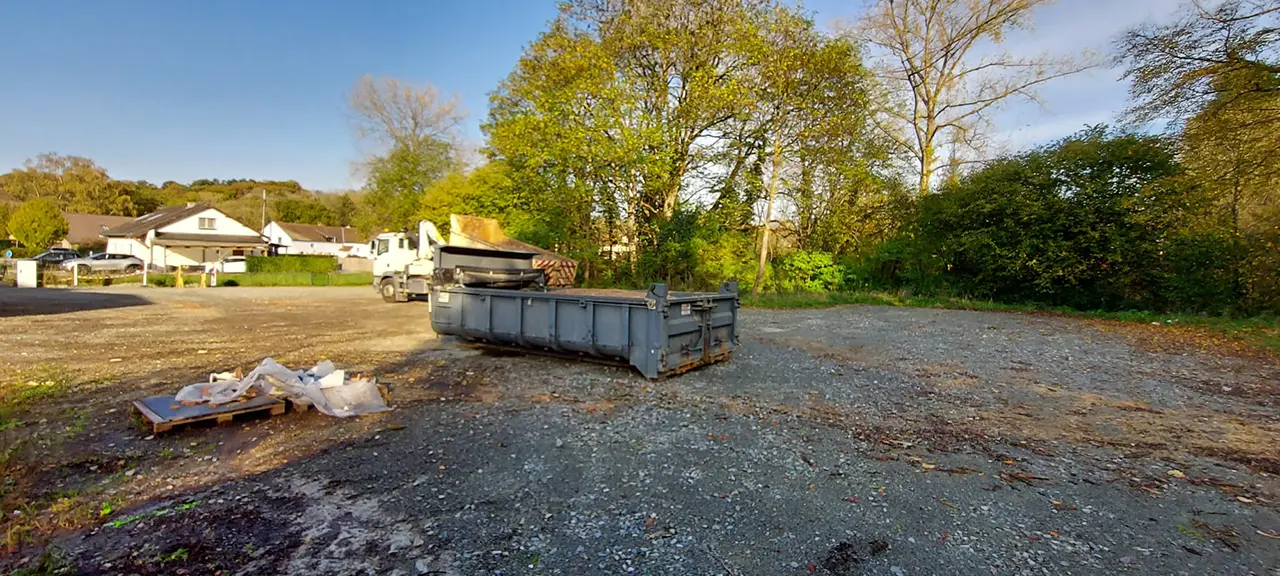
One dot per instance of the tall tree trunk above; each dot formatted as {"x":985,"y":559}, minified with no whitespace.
{"x":926,"y":167}
{"x":1237,"y":252}
{"x":768,"y":217}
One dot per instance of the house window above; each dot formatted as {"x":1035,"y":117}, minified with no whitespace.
{"x":206,"y":223}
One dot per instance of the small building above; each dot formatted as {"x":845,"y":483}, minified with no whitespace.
{"x":84,"y":230}
{"x":180,"y":236}
{"x":337,"y":241}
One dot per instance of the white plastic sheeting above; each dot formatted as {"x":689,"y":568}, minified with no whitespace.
{"x":324,"y":386}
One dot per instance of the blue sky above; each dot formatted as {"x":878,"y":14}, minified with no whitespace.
{"x":178,"y":90}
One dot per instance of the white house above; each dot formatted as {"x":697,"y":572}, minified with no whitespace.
{"x":189,"y":235}
{"x":339,"y":241}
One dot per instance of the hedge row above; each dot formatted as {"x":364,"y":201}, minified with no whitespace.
{"x":291,"y":263}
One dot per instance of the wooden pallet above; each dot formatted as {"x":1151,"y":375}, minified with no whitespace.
{"x":163,"y":413}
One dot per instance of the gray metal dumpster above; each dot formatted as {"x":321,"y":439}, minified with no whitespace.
{"x":657,"y":331}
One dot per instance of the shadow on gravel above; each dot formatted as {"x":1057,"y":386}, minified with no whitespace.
{"x":44,"y":301}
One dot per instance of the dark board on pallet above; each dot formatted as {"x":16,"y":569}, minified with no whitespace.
{"x":161,"y":414}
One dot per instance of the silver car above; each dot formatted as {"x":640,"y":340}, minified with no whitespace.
{"x":105,"y":263}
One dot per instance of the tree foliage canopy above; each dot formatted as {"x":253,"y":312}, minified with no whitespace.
{"x":37,"y":223}
{"x":625,"y":117}
{"x":1092,"y":221}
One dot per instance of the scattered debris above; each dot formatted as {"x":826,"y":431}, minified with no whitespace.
{"x":1028,"y":479}
{"x":1177,"y":474}
{"x":845,"y":556}
{"x":324,"y":386}
{"x":1224,"y":534}
{"x":1062,"y":507}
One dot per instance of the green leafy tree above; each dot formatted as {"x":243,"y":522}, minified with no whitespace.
{"x":398,"y":181}
{"x":72,"y":183}
{"x":38,"y":223}
{"x":616,"y":108}
{"x":1085,"y":222}
{"x":811,"y":97}
{"x":303,"y":211}
{"x":413,"y":130}
{"x":345,"y":210}
{"x":6,"y":210}
{"x":1215,"y":73}
{"x":1203,"y":57}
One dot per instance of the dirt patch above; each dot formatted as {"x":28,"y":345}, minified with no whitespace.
{"x":1175,"y":339}
{"x":199,"y":540}
{"x":987,"y":443}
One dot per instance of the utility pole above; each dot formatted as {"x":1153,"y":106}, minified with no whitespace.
{"x":264,"y":209}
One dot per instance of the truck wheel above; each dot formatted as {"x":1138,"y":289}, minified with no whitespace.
{"x":388,"y":290}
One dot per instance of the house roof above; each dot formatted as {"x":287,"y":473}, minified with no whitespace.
{"x":88,"y":228}
{"x":315,"y":233}
{"x":139,"y":226}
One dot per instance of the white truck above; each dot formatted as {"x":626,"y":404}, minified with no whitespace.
{"x":407,"y":265}
{"x":403,"y":262}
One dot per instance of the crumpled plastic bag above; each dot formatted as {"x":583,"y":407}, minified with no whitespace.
{"x":323,"y":386}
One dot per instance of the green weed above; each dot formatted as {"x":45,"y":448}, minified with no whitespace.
{"x":153,"y":513}
{"x":178,"y":555}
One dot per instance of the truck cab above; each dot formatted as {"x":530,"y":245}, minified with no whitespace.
{"x":402,"y":262}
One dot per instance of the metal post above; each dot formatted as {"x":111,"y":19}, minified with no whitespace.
{"x":75,"y":275}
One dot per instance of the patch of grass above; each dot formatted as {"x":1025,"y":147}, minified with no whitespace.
{"x":179,"y":555}
{"x":52,"y":563}
{"x":153,"y":513}
{"x":39,"y":383}
{"x":42,"y":383}
{"x":74,"y":426}
{"x":1259,"y":331}
{"x":56,"y":512}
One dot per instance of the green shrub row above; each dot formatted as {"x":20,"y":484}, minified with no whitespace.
{"x":247,"y":279}
{"x":291,"y":263}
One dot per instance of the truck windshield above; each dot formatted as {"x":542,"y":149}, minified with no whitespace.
{"x":383,"y":245}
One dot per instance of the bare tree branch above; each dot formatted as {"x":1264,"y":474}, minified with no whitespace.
{"x":927,"y":49}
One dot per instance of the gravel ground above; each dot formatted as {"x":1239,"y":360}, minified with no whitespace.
{"x":855,"y":440}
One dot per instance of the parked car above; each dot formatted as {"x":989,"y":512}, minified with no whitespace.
{"x":105,"y":263}
{"x":231,"y":265}
{"x":56,"y":256}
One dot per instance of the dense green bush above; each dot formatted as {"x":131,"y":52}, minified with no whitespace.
{"x":1093,"y":222}
{"x":808,"y":271}
{"x":253,"y":279}
{"x":291,"y":263}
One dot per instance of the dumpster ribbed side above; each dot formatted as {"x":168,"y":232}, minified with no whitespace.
{"x":657,"y":333}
